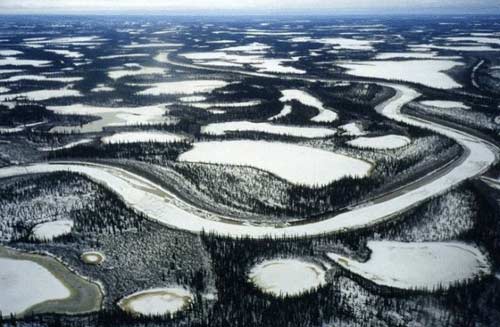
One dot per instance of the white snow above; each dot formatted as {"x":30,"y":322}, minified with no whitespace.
{"x":201,"y":105}
{"x":157,"y":302}
{"x":102,"y":88}
{"x":152,"y":45}
{"x":287,"y":109}
{"x":297,"y":164}
{"x":324,"y":116}
{"x":162,"y":206}
{"x":66,"y":53}
{"x":50,"y":230}
{"x":34,"y":285}
{"x":7,"y":53}
{"x":4,"y":89}
{"x":193,"y":98}
{"x":307,"y":132}
{"x":412,"y":55}
{"x":184,"y":87}
{"x":427,"y":265}
{"x":290,"y":277}
{"x":145,"y":136}
{"x":352,"y":129}
{"x":116,"y":74}
{"x":111,"y":116}
{"x":276,"y":66}
{"x":426,"y":72}
{"x":66,"y":146}
{"x":445,"y":104}
{"x":41,"y":95}
{"x":390,"y":141}
{"x":125,"y":55}
{"x":41,"y":78}
{"x":13,"y":61}
{"x":252,"y":47}
{"x":339,"y":43}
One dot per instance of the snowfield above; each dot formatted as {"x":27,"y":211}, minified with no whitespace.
{"x":380,"y":142}
{"x":41,"y":95}
{"x":110,"y":116}
{"x":339,"y":43}
{"x":282,"y":277}
{"x":431,"y":73}
{"x":67,"y":146}
{"x":352,"y":129}
{"x":13,"y":61}
{"x":117,"y":74}
{"x":307,"y":132}
{"x":50,"y":230}
{"x":146,"y":136}
{"x":34,"y":285}
{"x":324,"y":116}
{"x":18,"y":78}
{"x":157,"y":302}
{"x":162,"y":206}
{"x":445,"y":104}
{"x":297,"y":164}
{"x":184,"y":87}
{"x":426,"y":266}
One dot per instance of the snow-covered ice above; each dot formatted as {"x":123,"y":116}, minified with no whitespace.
{"x":307,"y":132}
{"x":427,"y":265}
{"x":157,"y":302}
{"x":295,"y":163}
{"x":21,"y":291}
{"x":142,"y":136}
{"x":184,"y":87}
{"x":290,"y":277}
{"x":390,"y":141}
{"x":52,"y":229}
{"x":431,"y":73}
{"x":445,"y":104}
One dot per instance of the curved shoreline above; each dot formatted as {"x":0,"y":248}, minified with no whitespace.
{"x":162,"y":206}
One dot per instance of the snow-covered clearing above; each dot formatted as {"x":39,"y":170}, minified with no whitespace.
{"x":125,"y":55}
{"x":110,"y":116}
{"x":8,"y":53}
{"x":152,"y":45}
{"x":66,"y":146}
{"x":459,"y":48}
{"x":66,"y":53}
{"x":412,"y":55}
{"x":143,"y":136}
{"x":184,"y":87}
{"x":352,"y":129}
{"x":41,"y":95}
{"x":13,"y":61}
{"x":445,"y":104}
{"x":290,"y":277}
{"x":339,"y":43}
{"x":390,"y":141}
{"x":102,"y":88}
{"x":34,"y":285}
{"x":4,"y":89}
{"x":70,"y":40}
{"x":427,"y":265}
{"x":52,"y":229}
{"x":307,"y":132}
{"x":297,"y":164}
{"x":157,"y":302}
{"x":324,"y":116}
{"x":252,"y":47}
{"x":41,"y":78}
{"x":117,"y":74}
{"x":224,"y":105}
{"x":431,"y":73}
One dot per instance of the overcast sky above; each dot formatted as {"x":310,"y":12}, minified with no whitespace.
{"x":253,"y":6}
